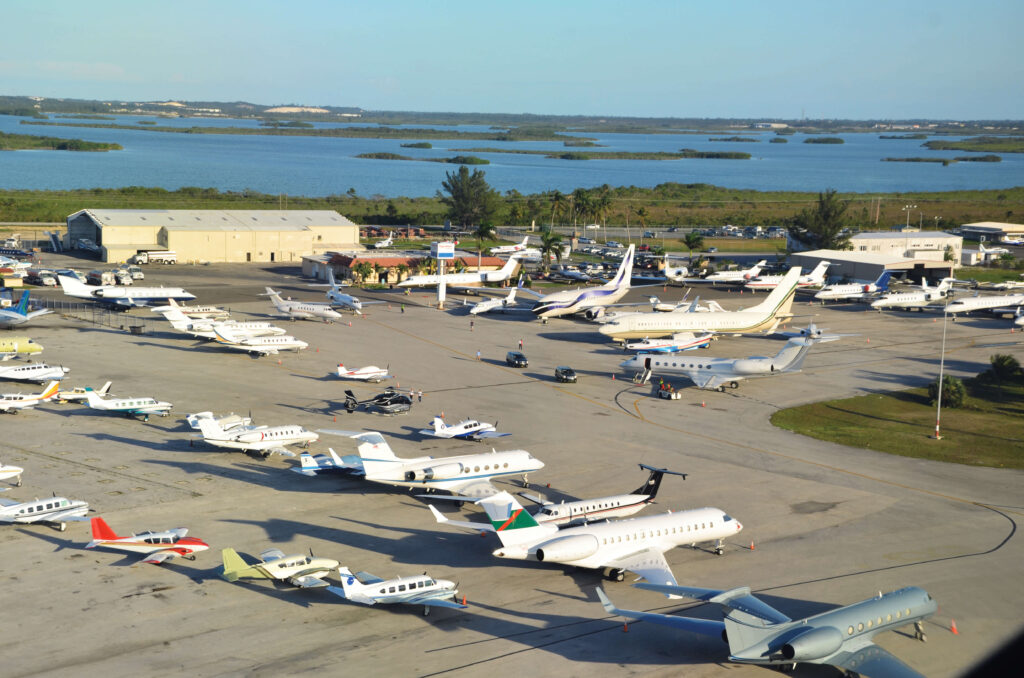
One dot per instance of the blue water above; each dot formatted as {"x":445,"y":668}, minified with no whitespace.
{"x":319,"y":167}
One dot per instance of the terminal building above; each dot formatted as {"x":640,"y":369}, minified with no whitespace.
{"x":915,"y":255}
{"x":214,"y":235}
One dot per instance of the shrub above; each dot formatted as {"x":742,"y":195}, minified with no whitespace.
{"x":953,"y":392}
{"x":1004,"y":367}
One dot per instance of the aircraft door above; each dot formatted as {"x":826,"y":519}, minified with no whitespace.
{"x":647,"y":363}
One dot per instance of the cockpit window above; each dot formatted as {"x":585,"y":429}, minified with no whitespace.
{"x":726,"y":517}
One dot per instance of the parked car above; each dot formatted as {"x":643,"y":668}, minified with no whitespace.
{"x":650,"y":234}
{"x":516,"y":359}
{"x":712,"y":250}
{"x":565,"y":374}
{"x":585,"y":241}
{"x":613,"y":243}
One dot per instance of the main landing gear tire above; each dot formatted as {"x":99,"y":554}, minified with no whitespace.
{"x":616,"y":575}
{"x":734,"y":384}
{"x":719,"y":551}
{"x":62,"y":527}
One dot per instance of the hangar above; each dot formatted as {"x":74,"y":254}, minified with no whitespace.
{"x":992,"y":231}
{"x":214,"y":235}
{"x":869,"y":265}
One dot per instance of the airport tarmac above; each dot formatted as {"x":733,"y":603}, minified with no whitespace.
{"x":830,"y":525}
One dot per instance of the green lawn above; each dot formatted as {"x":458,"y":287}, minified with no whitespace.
{"x":989,"y":431}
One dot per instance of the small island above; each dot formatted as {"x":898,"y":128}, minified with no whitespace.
{"x":419,"y":144}
{"x":455,"y":160}
{"x":824,"y":140}
{"x":28,"y":142}
{"x":734,"y":138}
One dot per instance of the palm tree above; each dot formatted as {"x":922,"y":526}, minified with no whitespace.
{"x":484,"y":231}
{"x":557,"y":203}
{"x":582,"y":205}
{"x":693,"y":241}
{"x":550,"y":243}
{"x":403,"y":271}
{"x":363,"y":269}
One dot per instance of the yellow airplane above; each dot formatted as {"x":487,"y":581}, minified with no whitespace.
{"x":11,"y":347}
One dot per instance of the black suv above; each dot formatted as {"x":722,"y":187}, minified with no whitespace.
{"x":565,"y":374}
{"x":516,"y":359}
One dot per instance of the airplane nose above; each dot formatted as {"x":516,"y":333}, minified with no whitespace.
{"x":739,"y":526}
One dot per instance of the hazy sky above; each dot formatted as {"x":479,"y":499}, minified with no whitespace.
{"x":720,"y":58}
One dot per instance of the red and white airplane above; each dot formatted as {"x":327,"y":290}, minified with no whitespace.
{"x":157,"y":546}
{"x":370,"y":373}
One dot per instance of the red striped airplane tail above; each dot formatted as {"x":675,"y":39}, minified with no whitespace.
{"x":101,"y":531}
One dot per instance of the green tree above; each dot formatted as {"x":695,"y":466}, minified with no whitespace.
{"x":483,"y":232}
{"x":693,"y":241}
{"x":469,"y":198}
{"x":954,"y":394}
{"x":642,"y":214}
{"x":403,"y":271}
{"x":363,"y":269}
{"x":550,"y":243}
{"x":821,"y":226}
{"x":557,"y":203}
{"x":515,"y":214}
{"x":1004,"y":367}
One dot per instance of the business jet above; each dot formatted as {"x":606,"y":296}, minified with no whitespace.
{"x":717,"y":373}
{"x":500,"y":304}
{"x":302,"y":310}
{"x":157,"y":547}
{"x":681,"y":341}
{"x":340,"y":299}
{"x":19,"y":314}
{"x":122,"y":297}
{"x":456,"y":279}
{"x":226,"y":422}
{"x":991,"y":250}
{"x":854,"y":291}
{"x":420,"y":589}
{"x":510,"y":249}
{"x":467,"y":429}
{"x":322,"y":464}
{"x":266,"y":440}
{"x":37,"y":372}
{"x":737,"y":277}
{"x":636,"y":544}
{"x":80,"y":393}
{"x":13,"y":402}
{"x":132,"y":407}
{"x":759,"y":634}
{"x":762,"y":318}
{"x":226,"y":337}
{"x":815,"y":278}
{"x":11,"y":347}
{"x":201,"y":312}
{"x":52,"y":510}
{"x":8,"y":262}
{"x":917,"y":299}
{"x":10,"y":471}
{"x":370,"y":373}
{"x":385,"y":243}
{"x":203,"y":328}
{"x":302,"y":571}
{"x":469,"y":475}
{"x":590,"y":301}
{"x":1002,"y":303}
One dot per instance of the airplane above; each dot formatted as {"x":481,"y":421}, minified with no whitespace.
{"x":122,"y":297}
{"x":343,"y":300}
{"x":497,"y":304}
{"x":302,"y":310}
{"x":602,"y":508}
{"x":733,"y":276}
{"x":770,"y":282}
{"x":385,"y":243}
{"x":454,"y":279}
{"x":370,"y":373}
{"x":264,"y":439}
{"x":37,"y":372}
{"x":11,"y":347}
{"x":132,"y":407}
{"x":991,"y":250}
{"x":227,"y":422}
{"x":681,"y":341}
{"x":995,"y":303}
{"x":468,"y":476}
{"x":510,"y":249}
{"x":302,"y":571}
{"x":203,"y":327}
{"x":917,"y":299}
{"x":53,"y":510}
{"x":80,"y":393}
{"x":158,"y":547}
{"x":10,"y":471}
{"x":764,"y":317}
{"x":19,"y":314}
{"x":635,"y":544}
{"x":668,"y":274}
{"x":591,"y":301}
{"x":258,"y":346}
{"x":717,"y":373}
{"x":13,"y":402}
{"x":759,"y":634}
{"x":8,"y":262}
{"x":853,"y":291}
{"x":1009,"y":240}
{"x":420,"y":589}
{"x":467,"y":429}
{"x":201,"y":312}
{"x":1018,"y":318}
{"x":311,"y":466}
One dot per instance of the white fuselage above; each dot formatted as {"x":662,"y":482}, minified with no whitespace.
{"x":262,"y":437}
{"x":260,"y":344}
{"x":453,"y":473}
{"x":848,"y":291}
{"x":48,"y":510}
{"x":370,"y":373}
{"x":908,"y":299}
{"x":968,"y":304}
{"x":591,"y":510}
{"x":684,"y":341}
{"x":432,"y":280}
{"x":130,"y":405}
{"x":33,"y":372}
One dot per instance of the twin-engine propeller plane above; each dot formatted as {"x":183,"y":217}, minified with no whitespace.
{"x":467,"y":429}
{"x":10,"y":471}
{"x":13,"y":402}
{"x":302,"y":571}
{"x":52,"y":510}
{"x":370,"y":373}
{"x":424,"y":590}
{"x":157,"y":547}
{"x":131,"y":407}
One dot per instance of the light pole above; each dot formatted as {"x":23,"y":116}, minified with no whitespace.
{"x":907,"y":209}
{"x":942,"y":364}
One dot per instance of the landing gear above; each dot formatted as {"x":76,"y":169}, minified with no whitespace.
{"x":526,"y":480}
{"x":18,"y":484}
{"x":718,"y":548}
{"x":787,"y":668}
{"x":919,"y":633}
{"x":426,"y":610}
{"x":720,"y":389}
{"x":734,"y":384}
{"x":62,"y":526}
{"x":616,"y":575}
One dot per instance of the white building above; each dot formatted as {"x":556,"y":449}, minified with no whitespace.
{"x":920,"y":245}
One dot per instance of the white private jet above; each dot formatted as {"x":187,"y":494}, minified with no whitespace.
{"x":1002,"y":303}
{"x":340,"y":299}
{"x":737,"y":277}
{"x":10,"y":471}
{"x":456,"y":279}
{"x":302,"y":571}
{"x":157,"y":547}
{"x":991,"y":250}
{"x":132,"y":407}
{"x":500,"y":304}
{"x":370,"y":373}
{"x":302,"y":310}
{"x":468,"y":476}
{"x":13,"y":402}
{"x":52,"y":510}
{"x":80,"y":393}
{"x":636,"y":544}
{"x":510,"y":249}
{"x":266,"y":440}
{"x":257,"y":346}
{"x":201,"y":312}
{"x":203,"y":328}
{"x":762,"y":318}
{"x":590,"y":301}
{"x":682,"y":341}
{"x":467,"y":429}
{"x":918,"y":299}
{"x":386,"y":242}
{"x":854,"y":291}
{"x":37,"y":372}
{"x":19,"y":314}
{"x":421,"y":589}
{"x":717,"y":373}
{"x":226,"y":422}
{"x":815,"y":278}
{"x":122,"y":297}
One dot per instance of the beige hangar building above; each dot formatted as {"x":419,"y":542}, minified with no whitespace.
{"x":214,"y":235}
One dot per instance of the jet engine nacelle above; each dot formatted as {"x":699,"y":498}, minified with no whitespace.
{"x":753,"y":366}
{"x":813,"y":644}
{"x":568,"y":549}
{"x":594,"y":313}
{"x":252,"y":437}
{"x":439,"y":472}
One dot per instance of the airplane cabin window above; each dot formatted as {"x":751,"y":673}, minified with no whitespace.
{"x":391,"y":589}
{"x":888,"y":617}
{"x":860,"y":627}
{"x":907,"y":612}
{"x":401,"y":587}
{"x":870,"y":624}
{"x":849,"y":631}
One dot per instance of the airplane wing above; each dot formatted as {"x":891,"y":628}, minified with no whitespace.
{"x":279,"y":450}
{"x":59,"y":517}
{"x":704,"y":627}
{"x":308,"y":581}
{"x":874,"y":662}
{"x":465,"y":525}
{"x":740,"y":599}
{"x":158,"y":557}
{"x":704,"y":380}
{"x":649,"y":564}
{"x":436,"y":602}
{"x":480,"y":435}
{"x":434,"y":434}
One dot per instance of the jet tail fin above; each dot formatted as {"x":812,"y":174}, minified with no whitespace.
{"x":882,"y":284}
{"x":22,"y":307}
{"x":511,"y":521}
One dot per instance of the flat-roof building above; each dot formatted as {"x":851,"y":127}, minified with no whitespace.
{"x":856,"y":265}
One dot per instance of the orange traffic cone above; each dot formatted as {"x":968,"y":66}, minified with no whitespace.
{"x":952,"y":627}
{"x":278,"y":362}
{"x":350,"y":323}
{"x":869,"y":340}
{"x":751,"y":546}
{"x":463,"y":599}
{"x":335,"y":418}
{"x":703,"y":404}
{"x":613,"y":376}
{"x":625,"y":628}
